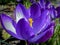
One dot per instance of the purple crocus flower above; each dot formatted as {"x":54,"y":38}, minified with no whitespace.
{"x":29,"y":24}
{"x":46,"y":4}
{"x":54,"y":11}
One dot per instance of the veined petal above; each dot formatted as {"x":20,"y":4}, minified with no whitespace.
{"x":58,"y":12}
{"x":52,"y":12}
{"x":25,"y":29}
{"x":42,"y":3}
{"x":35,"y":10}
{"x":9,"y":25}
{"x":42,"y":22}
{"x":47,"y":4}
{"x":21,"y":12}
{"x":43,"y":36}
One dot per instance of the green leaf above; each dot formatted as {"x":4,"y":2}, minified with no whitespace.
{"x":5,"y":35}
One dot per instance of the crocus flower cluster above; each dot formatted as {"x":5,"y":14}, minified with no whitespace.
{"x":34,"y":24}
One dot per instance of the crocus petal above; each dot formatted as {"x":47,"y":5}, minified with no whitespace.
{"x":35,"y":10}
{"x":9,"y":25}
{"x":47,"y":4}
{"x":42,"y":3}
{"x":21,"y":12}
{"x":25,"y":29}
{"x":42,"y":22}
{"x":58,"y":12}
{"x":52,"y":12}
{"x":44,"y":36}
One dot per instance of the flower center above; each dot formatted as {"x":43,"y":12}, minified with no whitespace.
{"x":30,"y":21}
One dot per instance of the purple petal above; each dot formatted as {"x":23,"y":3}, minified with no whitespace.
{"x":21,"y":12}
{"x":47,"y":4}
{"x":25,"y":29}
{"x":58,"y":12}
{"x":9,"y":25}
{"x":52,"y":11}
{"x":42,"y":3}
{"x":44,"y":36}
{"x":35,"y":10}
{"x":42,"y":22}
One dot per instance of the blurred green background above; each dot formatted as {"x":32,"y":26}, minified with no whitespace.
{"x":8,"y":6}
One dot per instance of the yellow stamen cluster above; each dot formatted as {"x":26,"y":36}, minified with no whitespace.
{"x":30,"y":21}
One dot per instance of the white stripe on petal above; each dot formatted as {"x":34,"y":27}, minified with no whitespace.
{"x":19,"y":13}
{"x":9,"y":26}
{"x":19,"y":16}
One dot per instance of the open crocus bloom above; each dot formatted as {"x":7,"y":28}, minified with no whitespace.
{"x":30,"y":24}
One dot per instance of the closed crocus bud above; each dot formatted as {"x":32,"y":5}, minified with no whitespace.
{"x":46,"y":4}
{"x":53,"y":11}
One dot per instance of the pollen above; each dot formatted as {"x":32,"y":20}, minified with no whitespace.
{"x":31,"y":21}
